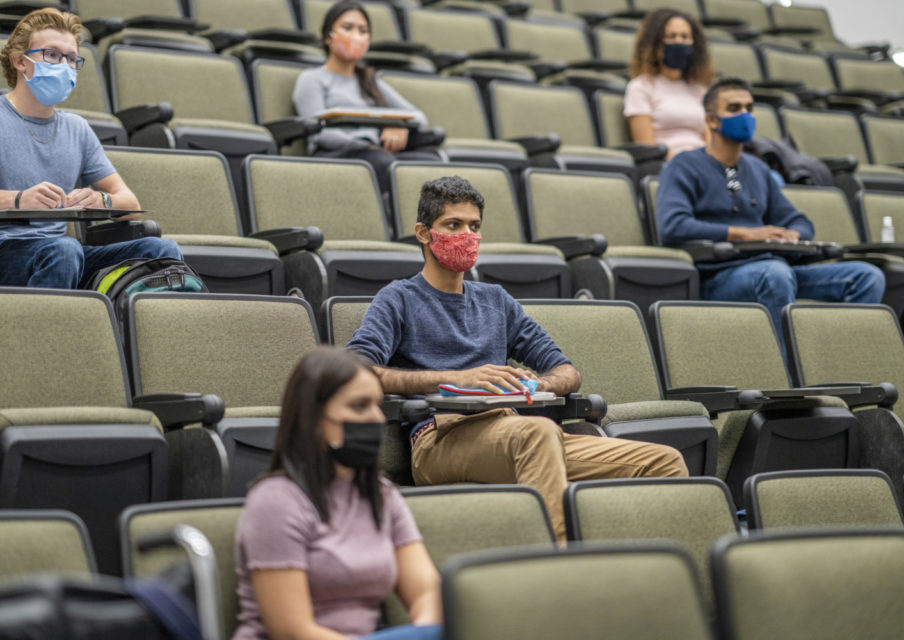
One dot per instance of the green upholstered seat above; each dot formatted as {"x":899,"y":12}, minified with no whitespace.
{"x":44,"y":541}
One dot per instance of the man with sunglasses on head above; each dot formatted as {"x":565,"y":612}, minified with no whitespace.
{"x":718,"y":193}
{"x":50,"y":158}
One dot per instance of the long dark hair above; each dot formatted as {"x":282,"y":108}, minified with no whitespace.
{"x":367,"y":76}
{"x":300,"y":451}
{"x":649,"y":43}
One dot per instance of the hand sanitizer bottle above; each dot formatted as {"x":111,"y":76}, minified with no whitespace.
{"x":888,"y":230}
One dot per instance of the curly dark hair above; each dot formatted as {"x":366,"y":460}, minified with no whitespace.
{"x":649,"y":42}
{"x":367,"y":76}
{"x":436,"y":194}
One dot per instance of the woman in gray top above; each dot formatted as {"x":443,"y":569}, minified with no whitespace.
{"x":345,"y":82}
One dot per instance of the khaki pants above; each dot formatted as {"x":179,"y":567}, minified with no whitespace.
{"x":500,"y":446}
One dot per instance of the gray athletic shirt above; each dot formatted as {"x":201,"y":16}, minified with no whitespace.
{"x":317,"y":90}
{"x":71,"y":157}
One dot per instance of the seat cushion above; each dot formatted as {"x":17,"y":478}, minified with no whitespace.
{"x":652,"y":409}
{"x":76,"y":415}
{"x":221,"y":241}
{"x":662,"y":253}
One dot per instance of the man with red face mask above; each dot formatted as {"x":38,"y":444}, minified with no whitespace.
{"x":437,"y":328}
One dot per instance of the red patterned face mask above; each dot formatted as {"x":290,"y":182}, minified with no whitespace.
{"x":455,"y":251}
{"x":348,"y":46}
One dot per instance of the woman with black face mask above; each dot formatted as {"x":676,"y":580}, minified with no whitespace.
{"x":323,"y":539}
{"x":670,"y":71}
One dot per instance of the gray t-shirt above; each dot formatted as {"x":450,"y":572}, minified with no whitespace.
{"x":72,"y":156}
{"x":318,"y":90}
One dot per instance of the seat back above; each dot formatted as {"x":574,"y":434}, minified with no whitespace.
{"x":250,"y":16}
{"x":578,"y":594}
{"x":216,"y":519}
{"x":717,"y":343}
{"x":885,"y":138}
{"x":809,"y":17}
{"x":93,"y":9}
{"x":201,"y":86}
{"x":843,"y":342}
{"x":768,"y":124}
{"x":690,"y":7}
{"x":754,"y":14}
{"x":621,"y":370}
{"x":828,"y":210}
{"x":580,"y":6}
{"x":62,"y":350}
{"x":876,"y":206}
{"x":809,"y":68}
{"x":272,"y":84}
{"x":564,"y":204}
{"x":90,"y":93}
{"x":342,"y":315}
{"x":821,"y":498}
{"x":383,"y":25}
{"x":452,"y":102}
{"x":446,"y":31}
{"x":338,"y":196}
{"x":825,"y":133}
{"x":260,"y":334}
{"x":614,"y":44}
{"x":501,"y":219}
{"x":526,"y":110}
{"x":808,"y":585}
{"x":612,"y":122}
{"x":693,"y":512}
{"x":190,"y":192}
{"x":872,"y":75}
{"x":43,"y":541}
{"x":549,"y":41}
{"x":736,"y":59}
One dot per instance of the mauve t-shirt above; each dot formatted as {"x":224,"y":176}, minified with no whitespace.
{"x":350,"y":564}
{"x":675,"y":107}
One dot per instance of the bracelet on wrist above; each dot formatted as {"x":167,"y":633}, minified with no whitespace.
{"x":18,"y":198}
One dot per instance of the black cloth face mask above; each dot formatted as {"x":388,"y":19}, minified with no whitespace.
{"x":360,"y":445}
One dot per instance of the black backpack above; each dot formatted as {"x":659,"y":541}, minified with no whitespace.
{"x":135,"y":275}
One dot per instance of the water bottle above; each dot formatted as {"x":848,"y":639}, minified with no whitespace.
{"x":888,"y":230}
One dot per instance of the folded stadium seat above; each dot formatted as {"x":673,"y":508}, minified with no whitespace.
{"x":833,"y":136}
{"x":388,"y":50}
{"x":567,"y":204}
{"x":506,"y":257}
{"x":840,"y":343}
{"x":833,"y":221}
{"x":341,"y":198}
{"x":821,"y":498}
{"x":741,"y":60}
{"x":727,"y":356}
{"x":455,"y":519}
{"x":882,"y":82}
{"x":623,"y":372}
{"x":263,"y":28}
{"x":884,"y":137}
{"x":811,"y":585}
{"x":44,"y":541}
{"x":72,"y":437}
{"x":207,"y":93}
{"x":454,"y":104}
{"x":616,"y":45}
{"x":191,"y":196}
{"x":626,"y":591}
{"x":216,"y":519}
{"x":149,"y":23}
{"x":520,"y":110}
{"x":261,"y":337}
{"x":693,"y":512}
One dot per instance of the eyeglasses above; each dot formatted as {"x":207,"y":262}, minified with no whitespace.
{"x":56,"y":57}
{"x":732,"y":182}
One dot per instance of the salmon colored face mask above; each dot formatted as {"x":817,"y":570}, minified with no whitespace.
{"x":455,"y":251}
{"x":349,"y":46}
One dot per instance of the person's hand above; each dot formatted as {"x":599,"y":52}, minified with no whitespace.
{"x":394,"y":140}
{"x":769,"y":232}
{"x":45,"y":195}
{"x":493,"y":376}
{"x":88,"y":198}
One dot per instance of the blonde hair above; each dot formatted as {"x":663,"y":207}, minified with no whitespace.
{"x":20,"y":39}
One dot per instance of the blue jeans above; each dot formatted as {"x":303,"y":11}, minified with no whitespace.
{"x":774,"y":283}
{"x":408,"y":632}
{"x":63,"y":263}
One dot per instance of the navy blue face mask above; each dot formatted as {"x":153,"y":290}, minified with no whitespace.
{"x":677,"y":55}
{"x":739,"y":127}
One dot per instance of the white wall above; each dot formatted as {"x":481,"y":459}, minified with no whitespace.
{"x":862,"y":21}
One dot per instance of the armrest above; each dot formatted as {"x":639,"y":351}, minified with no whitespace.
{"x":103,"y":27}
{"x":448,"y":59}
{"x":502,"y":55}
{"x":175,"y":410}
{"x":843,"y":164}
{"x":293,"y":36}
{"x":717,"y":399}
{"x":225,"y":38}
{"x":745,"y":33}
{"x":890,"y":248}
{"x":574,"y":246}
{"x":594,"y":18}
{"x":590,"y":408}
{"x":725,"y":23}
{"x":433,"y":137}
{"x":645,"y":152}
{"x":598,"y":65}
{"x":395,"y":46}
{"x":851,"y":103}
{"x":538,"y":144}
{"x":401,"y":409}
{"x":516,"y":9}
{"x":547,"y":68}
{"x":291,"y":239}
{"x":792,"y":31}
{"x":135,"y":118}
{"x":166,"y":23}
{"x":112,"y":232}
{"x":709,"y":251}
{"x":288,"y":129}
{"x":858,"y":394}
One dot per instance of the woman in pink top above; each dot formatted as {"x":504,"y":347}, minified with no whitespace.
{"x":323,"y":539}
{"x":670,"y":71}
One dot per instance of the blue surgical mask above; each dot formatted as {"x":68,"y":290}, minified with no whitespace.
{"x":739,"y":127}
{"x":677,"y":55}
{"x":51,"y":83}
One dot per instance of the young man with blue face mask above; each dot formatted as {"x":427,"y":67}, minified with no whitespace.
{"x":50,"y":158}
{"x":718,"y":193}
